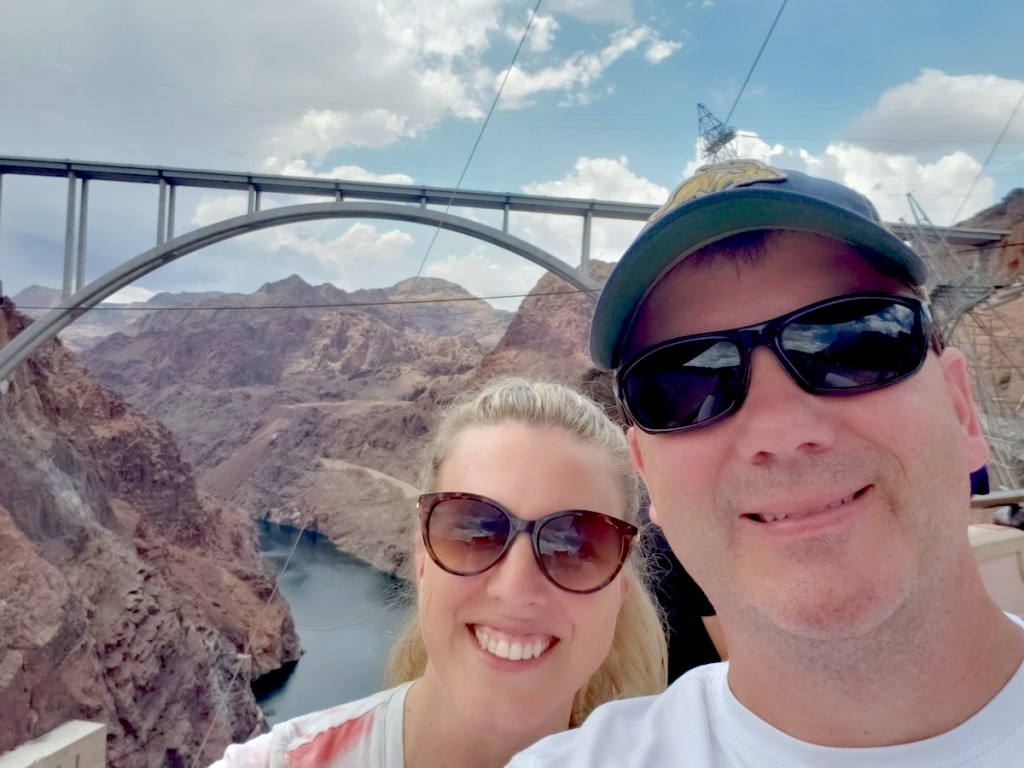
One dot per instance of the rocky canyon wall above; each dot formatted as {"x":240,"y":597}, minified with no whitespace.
{"x":126,"y":594}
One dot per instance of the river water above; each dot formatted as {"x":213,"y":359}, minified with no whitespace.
{"x":346,"y":615}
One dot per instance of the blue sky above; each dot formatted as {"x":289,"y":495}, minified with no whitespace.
{"x":602,"y":103}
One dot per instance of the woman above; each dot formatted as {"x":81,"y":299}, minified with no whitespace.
{"x":515,"y":637}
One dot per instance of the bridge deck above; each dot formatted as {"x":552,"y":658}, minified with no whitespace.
{"x":395,"y":193}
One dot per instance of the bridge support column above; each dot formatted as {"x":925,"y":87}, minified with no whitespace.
{"x":69,"y":238}
{"x":255,"y":198}
{"x":161,"y":213}
{"x":588,"y":219}
{"x":172,"y":195}
{"x":1,"y":216}
{"x":83,"y":224}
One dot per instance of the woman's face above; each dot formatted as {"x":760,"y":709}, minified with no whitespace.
{"x":512,"y":608}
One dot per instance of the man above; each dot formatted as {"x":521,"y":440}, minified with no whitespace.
{"x":694,"y":634}
{"x":806,"y":442}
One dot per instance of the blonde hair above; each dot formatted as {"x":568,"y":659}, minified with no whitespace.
{"x":636,"y":662}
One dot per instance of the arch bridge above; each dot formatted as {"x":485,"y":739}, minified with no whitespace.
{"x":347,"y":199}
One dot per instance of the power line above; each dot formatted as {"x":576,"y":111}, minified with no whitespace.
{"x":991,"y":152}
{"x":327,"y":305}
{"x":476,"y":145}
{"x":756,"y":59}
{"x":465,"y":168}
{"x":412,"y":287}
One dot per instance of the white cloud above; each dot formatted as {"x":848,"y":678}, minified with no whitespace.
{"x":886,"y":178}
{"x":591,"y":178}
{"x":319,"y":131}
{"x":445,"y":28}
{"x":578,"y":73}
{"x":543,"y":31}
{"x":594,"y":11}
{"x":927,"y":137}
{"x":487,"y":271}
{"x":173,"y":89}
{"x":939,"y":187}
{"x":358,"y":244}
{"x":214,"y":208}
{"x":939,"y":113}
{"x":299,"y":167}
{"x":361,"y":256}
{"x":659,"y":50}
{"x":130,"y":294}
{"x":426,"y":60}
{"x":601,"y":178}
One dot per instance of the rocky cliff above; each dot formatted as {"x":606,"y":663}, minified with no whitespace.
{"x":126,"y":594}
{"x":314,"y":415}
{"x":104,"y":319}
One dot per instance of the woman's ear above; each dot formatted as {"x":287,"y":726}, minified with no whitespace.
{"x":419,"y":555}
{"x":626,"y":585}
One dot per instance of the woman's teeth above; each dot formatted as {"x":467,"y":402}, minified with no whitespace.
{"x":513,"y":650}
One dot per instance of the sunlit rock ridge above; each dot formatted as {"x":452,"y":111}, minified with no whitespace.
{"x":126,"y":592}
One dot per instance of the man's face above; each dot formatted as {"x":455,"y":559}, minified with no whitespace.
{"x":808,"y":515}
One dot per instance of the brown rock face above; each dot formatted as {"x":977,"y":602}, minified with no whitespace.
{"x":548,"y":336}
{"x":127,"y":597}
{"x":304,"y":404}
{"x":313,"y":415}
{"x":999,"y":264}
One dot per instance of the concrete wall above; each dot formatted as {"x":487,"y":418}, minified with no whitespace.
{"x":76,"y":744}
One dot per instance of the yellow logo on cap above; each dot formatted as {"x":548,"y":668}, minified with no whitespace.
{"x":718,"y":177}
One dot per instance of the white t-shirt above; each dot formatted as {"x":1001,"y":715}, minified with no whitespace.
{"x":361,"y":734}
{"x":698,"y":722}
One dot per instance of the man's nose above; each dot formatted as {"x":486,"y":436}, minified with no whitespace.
{"x":778,"y":419}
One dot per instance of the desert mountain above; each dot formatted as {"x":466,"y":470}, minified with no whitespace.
{"x":297,"y":403}
{"x":288,"y":411}
{"x":128,"y":593}
{"x":1006,"y":214}
{"x":306,"y":404}
{"x":104,"y":319}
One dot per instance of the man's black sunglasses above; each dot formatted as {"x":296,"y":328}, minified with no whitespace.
{"x":846,"y":344}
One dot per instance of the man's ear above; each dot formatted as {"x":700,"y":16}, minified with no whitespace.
{"x":634,"y":449}
{"x":958,"y":383}
{"x":638,"y":462}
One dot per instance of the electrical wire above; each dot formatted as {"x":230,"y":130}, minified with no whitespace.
{"x":756,"y":59}
{"x":465,"y":169}
{"x":988,"y":157}
{"x":247,"y":649}
{"x":476,"y":145}
{"x":412,"y":287}
{"x":326,"y":305}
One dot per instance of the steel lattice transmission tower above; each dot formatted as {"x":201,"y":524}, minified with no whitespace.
{"x":716,"y":138}
{"x":969,"y":299}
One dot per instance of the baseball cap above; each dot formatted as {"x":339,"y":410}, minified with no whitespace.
{"x":724,"y":199}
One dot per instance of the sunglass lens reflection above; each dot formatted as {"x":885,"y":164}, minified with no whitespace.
{"x":861,"y":344}
{"x":685,"y":384}
{"x":467,"y":535}
{"x":581,"y":552}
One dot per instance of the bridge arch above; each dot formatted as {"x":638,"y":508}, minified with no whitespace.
{"x":54,"y":321}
